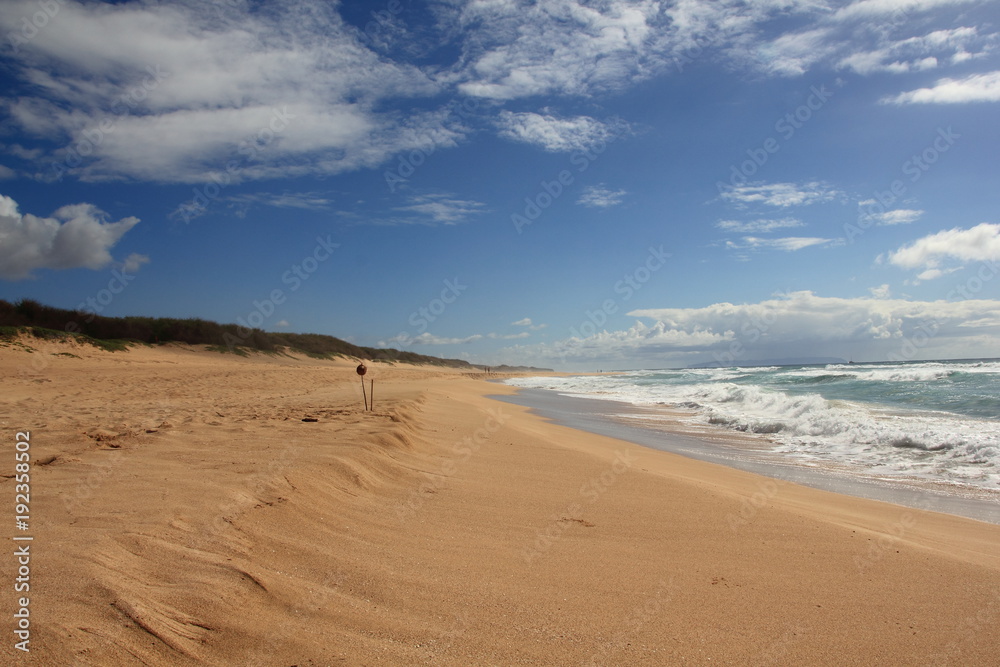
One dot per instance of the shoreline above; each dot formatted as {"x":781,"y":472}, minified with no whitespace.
{"x":191,"y":508}
{"x":588,"y":414}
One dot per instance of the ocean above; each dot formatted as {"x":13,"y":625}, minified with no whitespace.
{"x":934,"y":425}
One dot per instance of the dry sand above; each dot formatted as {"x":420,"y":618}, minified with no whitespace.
{"x":184,"y":513}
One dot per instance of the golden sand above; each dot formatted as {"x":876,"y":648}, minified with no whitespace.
{"x":182,"y":512}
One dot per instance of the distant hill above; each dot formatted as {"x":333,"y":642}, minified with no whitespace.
{"x":116,"y":333}
{"x":788,"y":361}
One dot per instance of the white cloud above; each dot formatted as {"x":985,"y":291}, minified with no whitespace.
{"x":868,"y":9}
{"x":430,"y":339}
{"x":780,"y":195}
{"x":133,"y":262}
{"x":598,"y":196}
{"x":75,"y":236}
{"x":556,"y":134}
{"x":175,"y":92}
{"x":973,"y":88}
{"x":880,"y":292}
{"x":555,"y":46}
{"x":496,"y":336}
{"x":6,"y":173}
{"x":758,"y":226}
{"x":788,"y":244}
{"x":792,"y":324}
{"x":442,"y":208}
{"x":309,"y":201}
{"x":899,"y":216}
{"x":955,"y":246}
{"x":915,"y":54}
{"x":632,"y":345}
{"x":794,"y":53}
{"x":788,"y":325}
{"x":526,"y":322}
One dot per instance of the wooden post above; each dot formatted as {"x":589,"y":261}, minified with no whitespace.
{"x":362,"y":369}
{"x":371,"y":400}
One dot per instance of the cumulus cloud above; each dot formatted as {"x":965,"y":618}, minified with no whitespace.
{"x":75,"y":236}
{"x":880,"y":292}
{"x":973,"y":88}
{"x":789,"y":324}
{"x":957,"y":247}
{"x":133,"y":262}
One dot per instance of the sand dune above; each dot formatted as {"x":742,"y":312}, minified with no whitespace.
{"x":184,"y":513}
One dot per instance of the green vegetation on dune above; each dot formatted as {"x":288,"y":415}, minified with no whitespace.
{"x":118,"y":333}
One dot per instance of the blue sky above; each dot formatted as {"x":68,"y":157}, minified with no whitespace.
{"x":614,"y":184}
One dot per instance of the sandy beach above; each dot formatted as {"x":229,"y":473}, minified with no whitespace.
{"x":189,"y":507}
